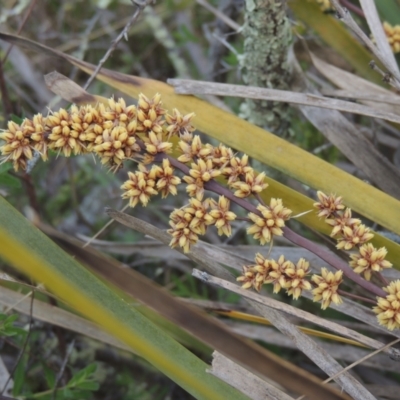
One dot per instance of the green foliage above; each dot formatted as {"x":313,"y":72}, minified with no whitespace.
{"x":7,"y":326}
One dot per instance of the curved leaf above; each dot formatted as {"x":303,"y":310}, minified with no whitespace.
{"x":28,"y":249}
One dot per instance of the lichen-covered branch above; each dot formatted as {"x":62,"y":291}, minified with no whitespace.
{"x":264,"y":62}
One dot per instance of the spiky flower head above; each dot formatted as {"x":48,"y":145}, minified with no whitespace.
{"x":198,"y":215}
{"x":192,"y":150}
{"x":341,"y":220}
{"x":204,"y":170}
{"x":140,"y":186}
{"x":270,"y":223}
{"x":182,"y":234}
{"x":149,"y":114}
{"x":355,"y":235}
{"x":252,"y":184}
{"x":327,"y":287}
{"x":167,"y":182}
{"x":155,"y":143}
{"x":248,"y":277}
{"x":221,"y":217}
{"x":369,"y":259}
{"x":63,"y":137}
{"x":388,"y":308}
{"x":18,"y":144}
{"x":118,"y":113}
{"x":219,"y":155}
{"x":115,"y":145}
{"x":296,"y":280}
{"x":328,"y":205}
{"x":277,"y":273}
{"x":179,"y":124}
{"x":236,"y":168}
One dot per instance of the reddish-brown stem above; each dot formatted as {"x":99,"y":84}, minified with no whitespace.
{"x":352,"y":7}
{"x":322,"y":253}
{"x":354,"y":296}
{"x":259,"y":199}
{"x":382,"y":278}
{"x":332,"y":260}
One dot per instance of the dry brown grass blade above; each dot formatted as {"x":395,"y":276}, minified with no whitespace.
{"x":69,"y":90}
{"x":290,"y":310}
{"x":346,"y":353}
{"x":361,"y":313}
{"x":187,"y":86}
{"x":233,"y":256}
{"x":318,"y":355}
{"x":198,"y":324}
{"x":350,"y":82}
{"x":350,"y":141}
{"x":245,"y":381}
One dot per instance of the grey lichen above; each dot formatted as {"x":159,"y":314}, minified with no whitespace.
{"x":264,"y":62}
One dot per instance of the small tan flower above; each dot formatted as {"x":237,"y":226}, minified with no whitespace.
{"x":166,"y":180}
{"x":220,"y":216}
{"x":277,"y":273}
{"x":140,"y":186}
{"x":38,"y":135}
{"x":272,"y":220}
{"x":219,"y":155}
{"x":62,"y":137}
{"x":149,"y":114}
{"x":248,"y":277}
{"x":179,"y":124}
{"x":369,"y":259}
{"x":204,"y":170}
{"x":154,"y":144}
{"x":18,"y":145}
{"x":236,"y":168}
{"x":180,"y":219}
{"x":118,"y":112}
{"x":393,"y":36}
{"x":388,"y":309}
{"x":354,"y":236}
{"x":327,"y":287}
{"x":297,"y":278}
{"x":192,"y":150}
{"x":195,"y":187}
{"x":199,"y":213}
{"x":328,"y":205}
{"x":89,"y":124}
{"x":252,"y":184}
{"x":184,"y":238}
{"x":115,"y":145}
{"x":341,"y":221}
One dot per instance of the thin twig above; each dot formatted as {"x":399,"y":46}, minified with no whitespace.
{"x":123,"y":34}
{"x":62,"y":369}
{"x":232,"y":24}
{"x":103,"y":229}
{"x":23,"y":22}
